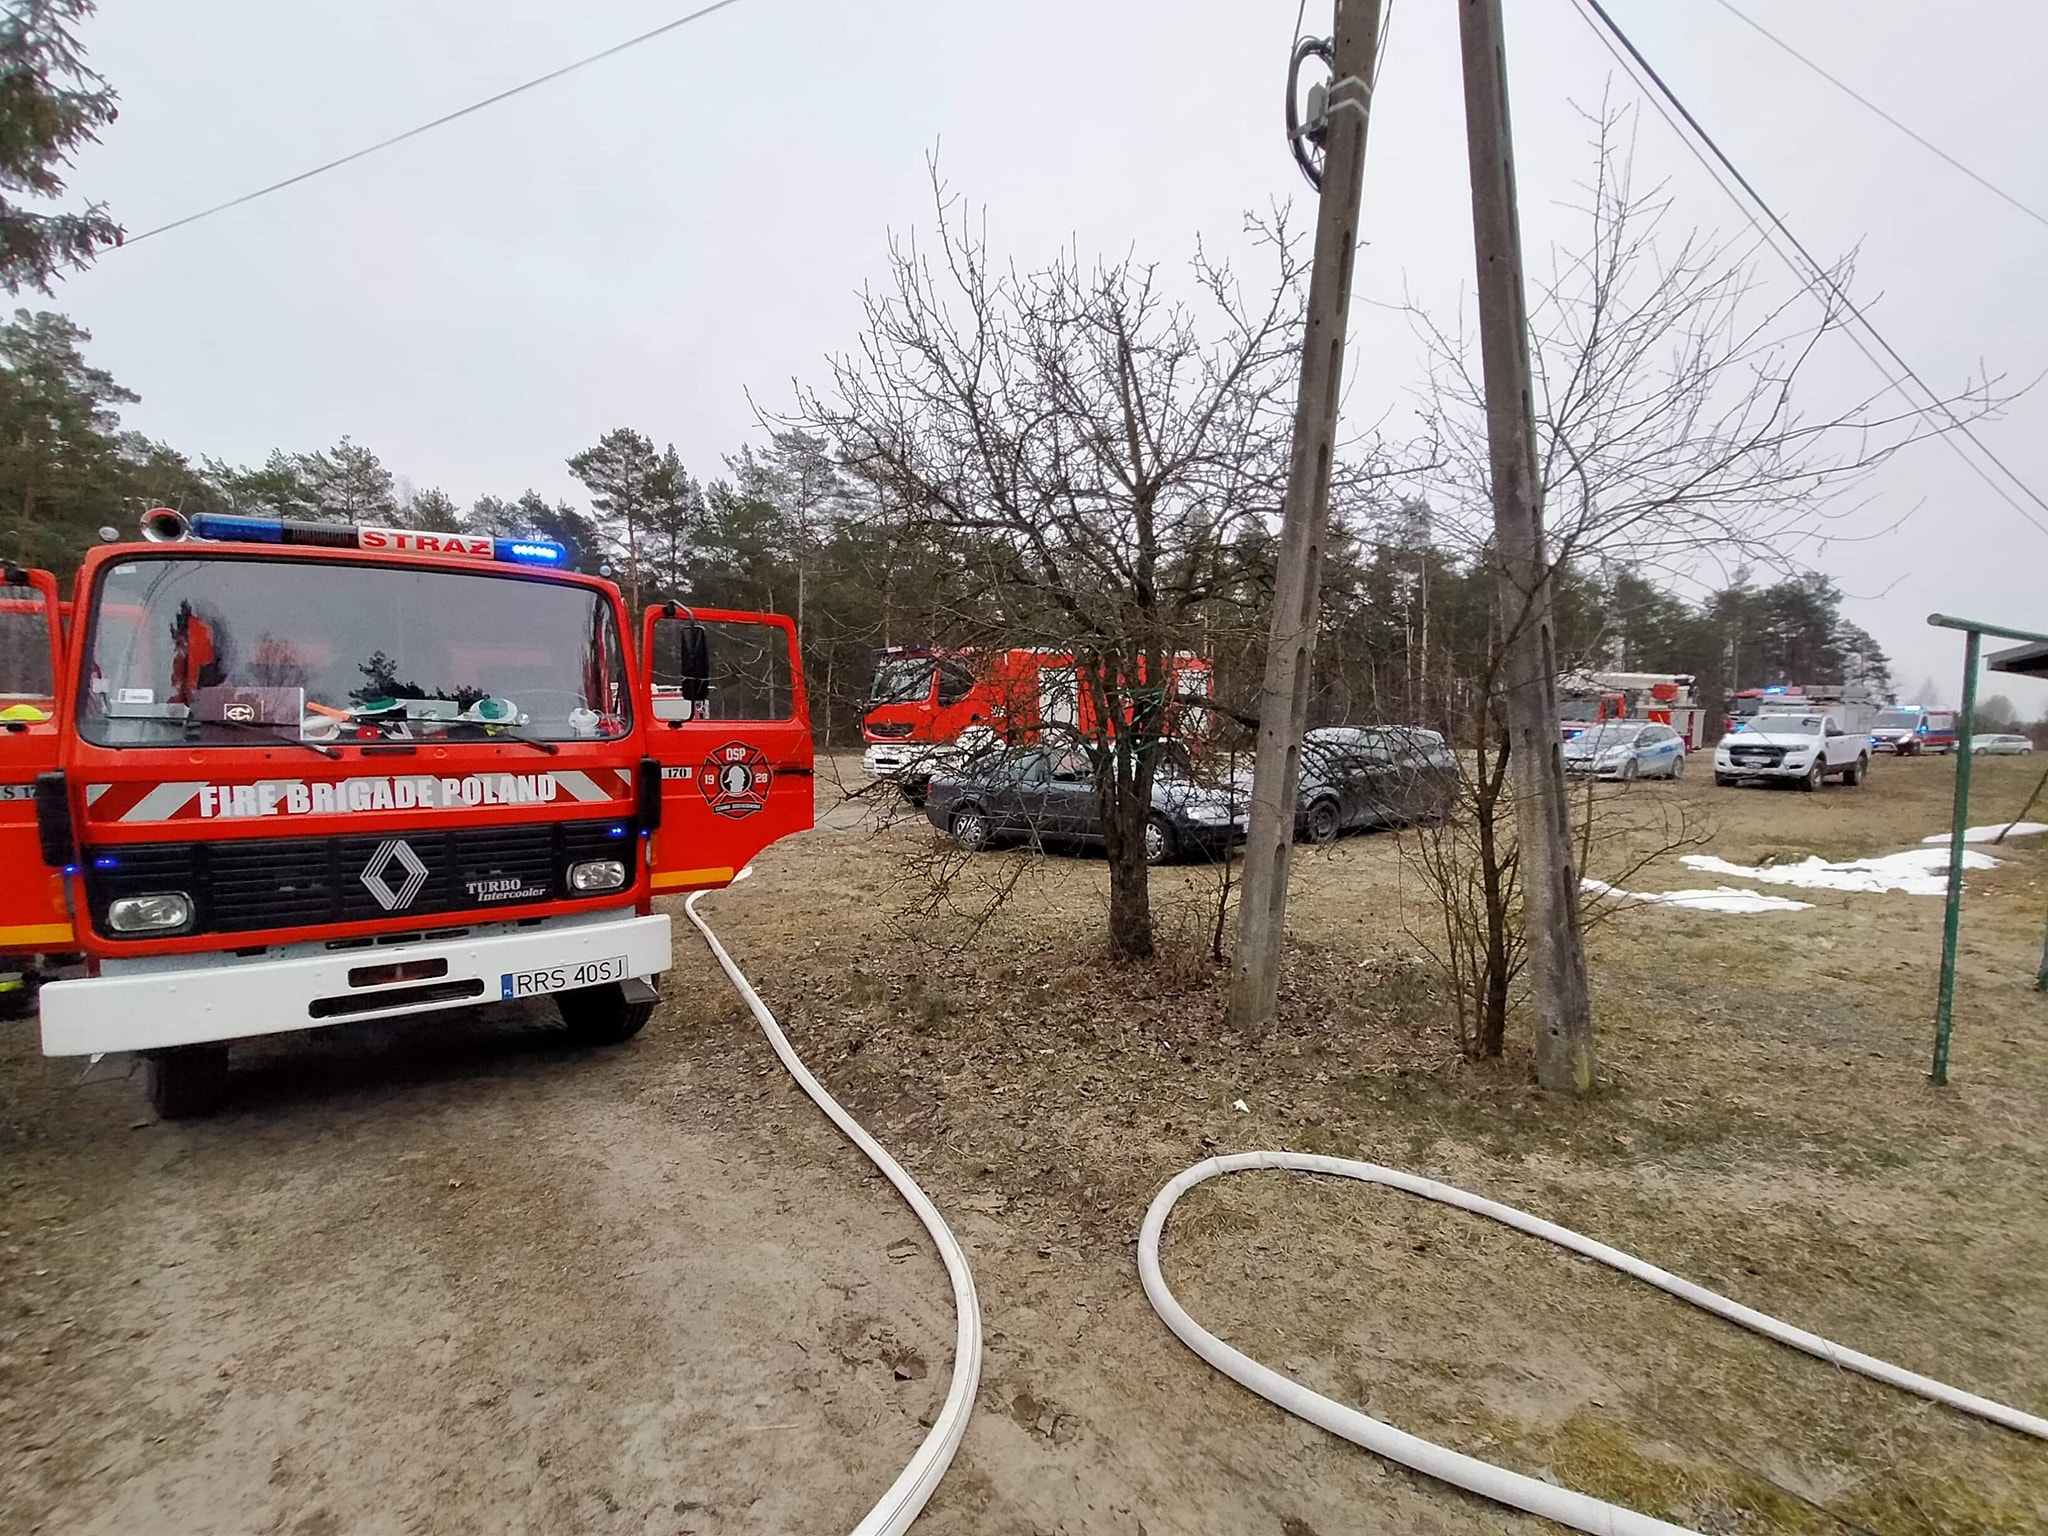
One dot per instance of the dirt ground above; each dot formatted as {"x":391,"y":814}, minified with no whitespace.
{"x":451,"y":1277}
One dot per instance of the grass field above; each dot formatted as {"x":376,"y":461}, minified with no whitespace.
{"x":451,"y":1278}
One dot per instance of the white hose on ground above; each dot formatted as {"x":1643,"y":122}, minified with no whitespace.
{"x":1468,"y":1472}
{"x":906,"y":1497}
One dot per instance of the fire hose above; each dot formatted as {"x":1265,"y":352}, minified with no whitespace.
{"x":1469,"y":1472}
{"x":905,"y":1499}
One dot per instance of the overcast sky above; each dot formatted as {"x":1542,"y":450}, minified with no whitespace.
{"x":649,"y":240}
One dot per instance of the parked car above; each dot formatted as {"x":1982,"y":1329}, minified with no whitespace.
{"x":2000,"y":744}
{"x":1048,"y":795}
{"x":1806,"y":750}
{"x":1626,"y":750}
{"x":1910,"y":730}
{"x":1371,"y":776}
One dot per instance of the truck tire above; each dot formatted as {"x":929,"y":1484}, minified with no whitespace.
{"x":1725,"y":780}
{"x":1321,"y":824}
{"x":186,"y":1081}
{"x":601,"y":1015}
{"x":1816,"y":776}
{"x":1855,"y":772}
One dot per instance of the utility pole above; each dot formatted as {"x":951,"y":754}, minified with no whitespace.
{"x":1283,"y":700}
{"x":1549,"y":878}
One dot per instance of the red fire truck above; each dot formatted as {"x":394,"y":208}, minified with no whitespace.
{"x":923,"y":700}
{"x":1657,"y":698}
{"x":297,"y":774}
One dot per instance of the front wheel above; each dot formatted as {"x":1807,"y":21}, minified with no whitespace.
{"x":602,"y":1015}
{"x":186,"y":1081}
{"x":1816,"y":776}
{"x":1320,"y":825}
{"x":1629,"y":770}
{"x":1725,"y":780}
{"x":970,"y":829}
{"x":1159,"y":840}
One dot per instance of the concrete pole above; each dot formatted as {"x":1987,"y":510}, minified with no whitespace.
{"x":1290,"y":651}
{"x":1549,"y":876}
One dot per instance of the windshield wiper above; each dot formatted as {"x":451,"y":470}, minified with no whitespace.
{"x":191,"y":726}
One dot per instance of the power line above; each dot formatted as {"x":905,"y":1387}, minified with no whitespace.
{"x":1850,"y":91}
{"x":413,"y":133}
{"x":1813,"y":271}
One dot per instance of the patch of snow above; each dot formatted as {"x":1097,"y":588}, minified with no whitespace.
{"x":1725,"y":898}
{"x":1916,"y":872}
{"x":1990,"y":834}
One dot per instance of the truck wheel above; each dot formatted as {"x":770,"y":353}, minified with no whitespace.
{"x":1853,"y":774}
{"x":1320,"y":825}
{"x":970,"y":829}
{"x":187,"y":1081}
{"x":1159,"y":841}
{"x":601,"y":1015}
{"x":19,"y":1001}
{"x":1725,"y":780}
{"x":1816,"y":776}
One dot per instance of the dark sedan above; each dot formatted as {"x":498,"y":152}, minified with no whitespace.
{"x":1042,"y":795}
{"x":1372,"y":776}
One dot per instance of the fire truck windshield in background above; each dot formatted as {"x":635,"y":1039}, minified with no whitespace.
{"x":25,"y":646}
{"x":903,"y":680}
{"x":320,"y":649}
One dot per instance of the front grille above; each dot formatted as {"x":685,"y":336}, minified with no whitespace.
{"x":889,"y":730}
{"x":258,"y":883}
{"x":1756,"y":757}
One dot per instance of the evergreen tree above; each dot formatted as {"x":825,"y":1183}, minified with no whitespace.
{"x":59,"y":453}
{"x":349,"y":484}
{"x":50,"y":104}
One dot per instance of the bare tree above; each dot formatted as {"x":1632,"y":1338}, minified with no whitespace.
{"x":1092,"y":448}
{"x":1670,"y":437}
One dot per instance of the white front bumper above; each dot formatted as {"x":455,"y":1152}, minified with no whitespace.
{"x":1752,"y":771}
{"x":884,"y":760}
{"x":167,"y":1000}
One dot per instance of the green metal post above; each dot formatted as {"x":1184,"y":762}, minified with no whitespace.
{"x":1951,"y":920}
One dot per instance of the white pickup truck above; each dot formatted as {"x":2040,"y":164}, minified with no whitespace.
{"x":1802,"y":749}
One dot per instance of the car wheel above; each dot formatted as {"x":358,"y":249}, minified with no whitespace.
{"x":915,"y":791}
{"x":1725,"y":780}
{"x":186,"y":1081}
{"x":1321,"y":824}
{"x":1816,"y":776}
{"x":970,"y":829}
{"x":601,"y":1015}
{"x":1629,"y":771}
{"x":1159,"y":840}
{"x":1677,"y":768}
{"x":1853,"y":774}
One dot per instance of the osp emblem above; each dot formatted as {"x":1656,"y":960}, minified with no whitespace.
{"x":735,"y":779}
{"x":376,"y":875}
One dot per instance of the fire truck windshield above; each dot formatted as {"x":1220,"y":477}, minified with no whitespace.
{"x":194,"y":650}
{"x":25,"y":648}
{"x":903,"y":680}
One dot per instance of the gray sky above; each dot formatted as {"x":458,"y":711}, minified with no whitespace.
{"x":647,"y":241}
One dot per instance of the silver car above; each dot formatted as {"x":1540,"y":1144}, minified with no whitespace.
{"x":2000,"y":744}
{"x":1626,"y":750}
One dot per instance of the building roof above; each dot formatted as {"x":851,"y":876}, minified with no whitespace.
{"x":2025,"y":660}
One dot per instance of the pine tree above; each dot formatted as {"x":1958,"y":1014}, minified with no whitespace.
{"x":349,"y":484}
{"x":60,"y":479}
{"x":50,"y":104}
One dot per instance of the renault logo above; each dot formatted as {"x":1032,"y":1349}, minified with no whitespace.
{"x":394,"y":851}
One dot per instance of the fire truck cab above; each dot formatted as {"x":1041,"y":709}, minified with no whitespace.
{"x":293,"y":775}
{"x":924,"y":700}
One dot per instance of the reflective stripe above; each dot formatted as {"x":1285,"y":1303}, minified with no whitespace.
{"x":689,"y":879}
{"x":37,"y":933}
{"x":162,"y":802}
{"x":94,"y":791}
{"x":579,"y":786}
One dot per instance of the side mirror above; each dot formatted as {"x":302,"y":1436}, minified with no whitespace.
{"x":683,"y":700}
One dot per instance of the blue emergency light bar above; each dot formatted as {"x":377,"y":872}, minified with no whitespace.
{"x":232,"y":528}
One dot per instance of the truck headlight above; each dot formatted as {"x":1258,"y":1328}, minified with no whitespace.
{"x":597,"y":875}
{"x":160,"y":913}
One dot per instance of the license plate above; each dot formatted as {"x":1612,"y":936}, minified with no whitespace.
{"x":561,"y":978}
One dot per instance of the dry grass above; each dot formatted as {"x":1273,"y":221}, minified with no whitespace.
{"x":1763,"y":1125}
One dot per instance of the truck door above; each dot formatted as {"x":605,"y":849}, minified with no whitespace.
{"x":729,"y":734}
{"x":33,"y":913}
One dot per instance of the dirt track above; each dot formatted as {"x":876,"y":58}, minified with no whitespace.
{"x":453,"y":1280}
